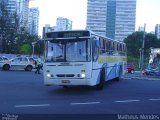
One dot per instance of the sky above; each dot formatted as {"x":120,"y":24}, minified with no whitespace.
{"x":147,"y":12}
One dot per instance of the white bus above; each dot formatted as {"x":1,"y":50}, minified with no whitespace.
{"x":81,"y":57}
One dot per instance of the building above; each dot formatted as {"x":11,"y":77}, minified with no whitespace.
{"x":21,"y":7}
{"x":33,"y":21}
{"x":46,"y":29}
{"x":112,"y":18}
{"x":23,"y":12}
{"x":140,"y":28}
{"x":157,"y":31}
{"x":121,"y":16}
{"x":63,"y":24}
{"x":11,"y":7}
{"x":96,"y":16}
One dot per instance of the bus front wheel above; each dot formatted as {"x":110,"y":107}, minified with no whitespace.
{"x":100,"y":85}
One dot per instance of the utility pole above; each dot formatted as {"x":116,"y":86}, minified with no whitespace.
{"x":143,"y":43}
{"x":140,"y":59}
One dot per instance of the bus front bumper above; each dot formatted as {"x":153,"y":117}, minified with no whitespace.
{"x":68,"y":82}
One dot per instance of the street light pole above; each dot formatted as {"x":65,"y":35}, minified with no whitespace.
{"x":33,"y":44}
{"x":143,"y":43}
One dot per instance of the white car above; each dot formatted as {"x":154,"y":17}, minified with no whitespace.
{"x":19,"y":63}
{"x":3,"y":59}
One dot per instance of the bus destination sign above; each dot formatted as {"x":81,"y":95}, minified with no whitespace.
{"x":67,"y":34}
{"x":73,"y":34}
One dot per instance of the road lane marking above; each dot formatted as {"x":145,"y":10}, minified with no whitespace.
{"x":40,"y":105}
{"x":127,"y":101}
{"x":154,"y":99}
{"x":85,"y":103}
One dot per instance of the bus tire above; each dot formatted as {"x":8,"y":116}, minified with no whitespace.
{"x":100,"y":85}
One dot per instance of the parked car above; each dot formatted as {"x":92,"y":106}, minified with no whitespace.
{"x":23,"y":63}
{"x":130,"y":68}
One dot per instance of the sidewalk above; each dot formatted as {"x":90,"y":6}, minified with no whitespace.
{"x":139,"y":76}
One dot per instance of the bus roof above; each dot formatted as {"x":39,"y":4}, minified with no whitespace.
{"x":76,"y":33}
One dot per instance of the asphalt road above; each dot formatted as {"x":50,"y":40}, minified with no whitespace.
{"x":23,"y":92}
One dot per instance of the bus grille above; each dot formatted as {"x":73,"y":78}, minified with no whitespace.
{"x":65,"y":75}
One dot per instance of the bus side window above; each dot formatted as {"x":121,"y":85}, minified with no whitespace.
{"x":107,"y":47}
{"x":102,"y":46}
{"x":111,"y":47}
{"x":96,"y":46}
{"x":120,"y":49}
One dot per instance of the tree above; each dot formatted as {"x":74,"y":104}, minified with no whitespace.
{"x":9,"y":23}
{"x":134,"y":43}
{"x":3,"y":22}
{"x":26,"y":38}
{"x":12,"y":37}
{"x":39,"y":47}
{"x":25,"y":49}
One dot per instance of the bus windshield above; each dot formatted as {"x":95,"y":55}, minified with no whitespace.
{"x":68,"y":50}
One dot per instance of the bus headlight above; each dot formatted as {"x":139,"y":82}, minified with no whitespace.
{"x":83,"y":75}
{"x":49,"y":75}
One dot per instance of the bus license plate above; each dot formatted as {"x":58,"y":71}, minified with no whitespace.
{"x":65,"y":81}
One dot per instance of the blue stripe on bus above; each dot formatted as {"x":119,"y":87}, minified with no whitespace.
{"x":113,"y":73}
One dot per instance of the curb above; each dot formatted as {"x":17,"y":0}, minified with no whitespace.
{"x":141,"y":78}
